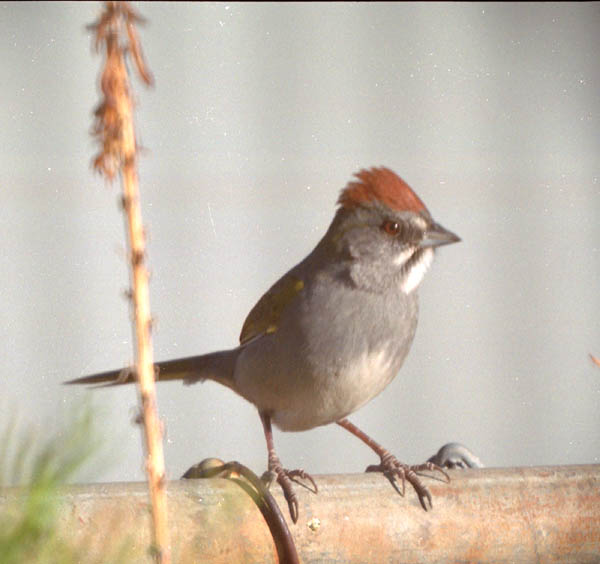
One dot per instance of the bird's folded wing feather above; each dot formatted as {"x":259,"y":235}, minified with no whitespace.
{"x":265,"y":315}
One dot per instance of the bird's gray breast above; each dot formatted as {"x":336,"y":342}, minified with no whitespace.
{"x":335,"y":348}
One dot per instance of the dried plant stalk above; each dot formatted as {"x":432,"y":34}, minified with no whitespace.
{"x":115,"y":130}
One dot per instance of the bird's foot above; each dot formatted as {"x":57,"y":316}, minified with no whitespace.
{"x":393,"y":469}
{"x":284,"y":478}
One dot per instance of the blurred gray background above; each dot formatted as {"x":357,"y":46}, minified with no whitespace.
{"x":260,"y":115}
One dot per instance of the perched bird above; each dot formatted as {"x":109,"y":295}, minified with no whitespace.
{"x":332,"y":332}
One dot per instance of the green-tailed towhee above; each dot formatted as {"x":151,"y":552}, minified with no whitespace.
{"x":333,"y":332}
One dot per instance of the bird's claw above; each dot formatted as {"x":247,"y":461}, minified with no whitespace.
{"x":392,"y":469}
{"x":285,"y":479}
{"x":299,"y":474}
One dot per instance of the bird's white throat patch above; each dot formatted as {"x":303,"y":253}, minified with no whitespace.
{"x":416,"y":272}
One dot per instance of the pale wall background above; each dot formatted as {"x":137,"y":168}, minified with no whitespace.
{"x":260,"y":115}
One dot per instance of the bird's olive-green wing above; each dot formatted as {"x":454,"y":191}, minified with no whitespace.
{"x":265,"y":315}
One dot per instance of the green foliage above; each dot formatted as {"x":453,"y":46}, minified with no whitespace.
{"x":30,"y":512}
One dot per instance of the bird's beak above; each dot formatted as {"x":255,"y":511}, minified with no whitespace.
{"x":436,"y":236}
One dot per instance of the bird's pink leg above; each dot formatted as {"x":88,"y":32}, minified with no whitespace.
{"x":392,"y":468}
{"x":284,"y":476}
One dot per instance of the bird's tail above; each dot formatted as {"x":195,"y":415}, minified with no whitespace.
{"x":218,"y":366}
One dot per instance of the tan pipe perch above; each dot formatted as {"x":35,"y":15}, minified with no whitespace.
{"x":537,"y":514}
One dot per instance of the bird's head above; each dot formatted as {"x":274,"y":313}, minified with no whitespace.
{"x":384,"y":232}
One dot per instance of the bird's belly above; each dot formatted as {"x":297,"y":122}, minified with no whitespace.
{"x":334,"y":395}
{"x":327,"y":357}
{"x":304,"y":396}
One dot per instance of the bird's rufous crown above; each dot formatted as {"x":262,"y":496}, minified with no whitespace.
{"x":383,"y":185}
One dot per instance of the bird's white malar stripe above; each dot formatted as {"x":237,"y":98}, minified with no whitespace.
{"x":417,"y":271}
{"x":404,"y":256}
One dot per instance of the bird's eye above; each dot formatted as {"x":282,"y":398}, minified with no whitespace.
{"x":391,"y":227}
